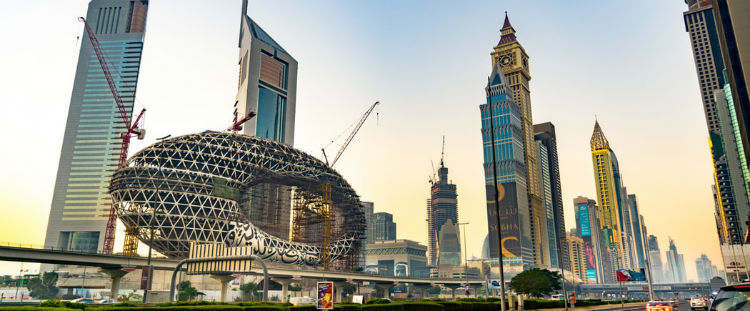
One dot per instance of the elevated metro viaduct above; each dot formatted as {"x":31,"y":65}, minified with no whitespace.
{"x":113,"y":265}
{"x":641,"y":289}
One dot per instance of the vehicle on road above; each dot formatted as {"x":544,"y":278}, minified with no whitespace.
{"x":661,"y":306}
{"x":732,"y":298}
{"x":83,"y":300}
{"x":698,"y":303}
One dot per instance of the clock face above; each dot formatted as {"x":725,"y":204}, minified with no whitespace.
{"x":505,"y":60}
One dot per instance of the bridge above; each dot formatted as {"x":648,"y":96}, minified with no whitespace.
{"x":284,"y":274}
{"x":639,"y":288}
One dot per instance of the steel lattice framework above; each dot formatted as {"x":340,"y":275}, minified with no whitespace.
{"x":191,"y":189}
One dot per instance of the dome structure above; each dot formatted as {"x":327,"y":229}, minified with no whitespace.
{"x":193,"y":188}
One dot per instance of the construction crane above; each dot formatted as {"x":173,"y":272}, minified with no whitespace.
{"x":325,"y":211}
{"x":351,"y":136}
{"x":237,"y":124}
{"x":434,"y":177}
{"x":131,"y":129}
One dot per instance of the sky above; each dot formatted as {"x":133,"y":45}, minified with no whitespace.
{"x":626,"y":63}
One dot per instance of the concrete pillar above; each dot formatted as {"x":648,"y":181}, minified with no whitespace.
{"x":511,"y":306}
{"x":520,"y":302}
{"x":383,"y":290}
{"x":422,"y":290}
{"x":115,"y":275}
{"x":284,"y":287}
{"x":224,"y":280}
{"x":338,"y":291}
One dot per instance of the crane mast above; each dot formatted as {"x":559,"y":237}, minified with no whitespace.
{"x":131,"y":130}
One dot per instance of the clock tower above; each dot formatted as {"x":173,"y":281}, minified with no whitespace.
{"x":514,"y":61}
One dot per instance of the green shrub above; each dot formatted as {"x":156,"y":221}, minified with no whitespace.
{"x":377,"y":301}
{"x":347,"y":307}
{"x":455,"y":305}
{"x":36,"y":308}
{"x":267,"y":307}
{"x":422,"y":306}
{"x":303,"y":308}
{"x":383,"y":307}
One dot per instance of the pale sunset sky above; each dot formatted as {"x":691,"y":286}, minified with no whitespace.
{"x":627,"y":63}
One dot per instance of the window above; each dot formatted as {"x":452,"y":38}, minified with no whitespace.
{"x":273,"y":71}
{"x":271,"y":119}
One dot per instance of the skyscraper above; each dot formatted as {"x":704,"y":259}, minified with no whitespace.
{"x":577,"y":257}
{"x":544,"y":133}
{"x":383,"y":227}
{"x":441,"y":207}
{"x":91,"y":143}
{"x":512,"y":57}
{"x":502,"y":121}
{"x":268,"y":87}
{"x":598,"y":268}
{"x":705,"y":268}
{"x":731,"y":196}
{"x":636,"y":225}
{"x":654,"y":257}
{"x":369,"y":209}
{"x":733,"y":29}
{"x":676,"y":264}
{"x":449,"y":252}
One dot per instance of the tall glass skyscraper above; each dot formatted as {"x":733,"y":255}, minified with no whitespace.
{"x":502,"y":119}
{"x":731,"y":195}
{"x":544,"y":134}
{"x":267,"y":86}
{"x":91,"y":143}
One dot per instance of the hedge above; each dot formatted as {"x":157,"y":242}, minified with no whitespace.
{"x":383,"y":307}
{"x":36,"y":308}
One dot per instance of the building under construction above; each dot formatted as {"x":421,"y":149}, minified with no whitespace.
{"x":192,"y":188}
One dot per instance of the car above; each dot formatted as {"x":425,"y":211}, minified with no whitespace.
{"x":698,"y":303}
{"x":661,"y":305}
{"x":732,"y":298}
{"x":87,"y":301}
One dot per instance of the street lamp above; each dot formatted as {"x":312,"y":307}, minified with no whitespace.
{"x":466,"y":262}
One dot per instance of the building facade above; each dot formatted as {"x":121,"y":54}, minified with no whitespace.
{"x":267,"y":86}
{"x":450,"y":246}
{"x":637,"y":228}
{"x":733,"y":30}
{"x":441,"y":207}
{"x":731,"y":197}
{"x":545,"y":134}
{"x":383,"y":227}
{"x":676,"y":263}
{"x":577,"y":256}
{"x":654,"y":257}
{"x":512,"y":58}
{"x":397,"y":258}
{"x":608,"y":192}
{"x":502,"y":129}
{"x":597,"y":268}
{"x":91,"y":143}
{"x":705,"y":268}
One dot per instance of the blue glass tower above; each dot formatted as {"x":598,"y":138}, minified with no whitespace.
{"x":501,"y":119}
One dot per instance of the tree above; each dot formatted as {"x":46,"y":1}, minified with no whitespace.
{"x":249,"y":290}
{"x":185,"y":291}
{"x":130,"y":297}
{"x":348,"y":289}
{"x":435,"y":290}
{"x":43,"y":287}
{"x":535,"y":282}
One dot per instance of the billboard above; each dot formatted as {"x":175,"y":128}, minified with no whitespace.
{"x":325,"y":295}
{"x":588,"y":245}
{"x":508,"y":206}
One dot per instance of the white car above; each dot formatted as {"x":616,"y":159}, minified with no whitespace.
{"x":698,"y":303}
{"x":298,"y":301}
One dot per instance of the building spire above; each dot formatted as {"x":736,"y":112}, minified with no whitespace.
{"x":598,"y":141}
{"x":507,"y":33}
{"x":506,"y":24}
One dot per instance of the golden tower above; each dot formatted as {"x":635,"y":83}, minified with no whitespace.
{"x":515,"y":64}
{"x":609,"y":211}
